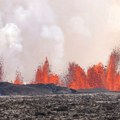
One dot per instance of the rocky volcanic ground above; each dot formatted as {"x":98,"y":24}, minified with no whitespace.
{"x":61,"y":107}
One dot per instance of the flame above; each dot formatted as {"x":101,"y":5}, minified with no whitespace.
{"x":112,"y":76}
{"x":97,"y":76}
{"x":76,"y":77}
{"x":44,"y":75}
{"x":18,"y":80}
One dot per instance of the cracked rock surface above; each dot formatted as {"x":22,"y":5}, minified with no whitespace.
{"x":61,"y":107}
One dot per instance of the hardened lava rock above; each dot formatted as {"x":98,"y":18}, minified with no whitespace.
{"x":61,"y":107}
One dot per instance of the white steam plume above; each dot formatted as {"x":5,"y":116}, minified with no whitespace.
{"x":28,"y":33}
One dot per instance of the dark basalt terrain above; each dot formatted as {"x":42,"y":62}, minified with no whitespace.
{"x":33,"y":89}
{"x":51,"y":102}
{"x":41,"y":89}
{"x":61,"y":107}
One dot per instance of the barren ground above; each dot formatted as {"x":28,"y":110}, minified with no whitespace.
{"x":61,"y":107}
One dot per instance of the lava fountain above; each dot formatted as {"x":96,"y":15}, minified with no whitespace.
{"x":97,"y":76}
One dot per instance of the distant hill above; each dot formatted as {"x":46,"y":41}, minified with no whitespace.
{"x":33,"y":89}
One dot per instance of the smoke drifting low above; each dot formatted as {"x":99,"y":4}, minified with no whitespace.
{"x":82,"y":31}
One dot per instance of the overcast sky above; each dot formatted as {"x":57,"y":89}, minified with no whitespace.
{"x":81,"y":31}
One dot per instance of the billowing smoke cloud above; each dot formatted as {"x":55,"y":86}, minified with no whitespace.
{"x":83,"y":31}
{"x":28,"y":33}
{"x":91,"y":29}
{"x":10,"y":48}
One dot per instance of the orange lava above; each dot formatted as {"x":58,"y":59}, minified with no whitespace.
{"x":44,"y":75}
{"x":112,"y":81}
{"x":97,"y":76}
{"x":76,"y":77}
{"x":18,"y":80}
